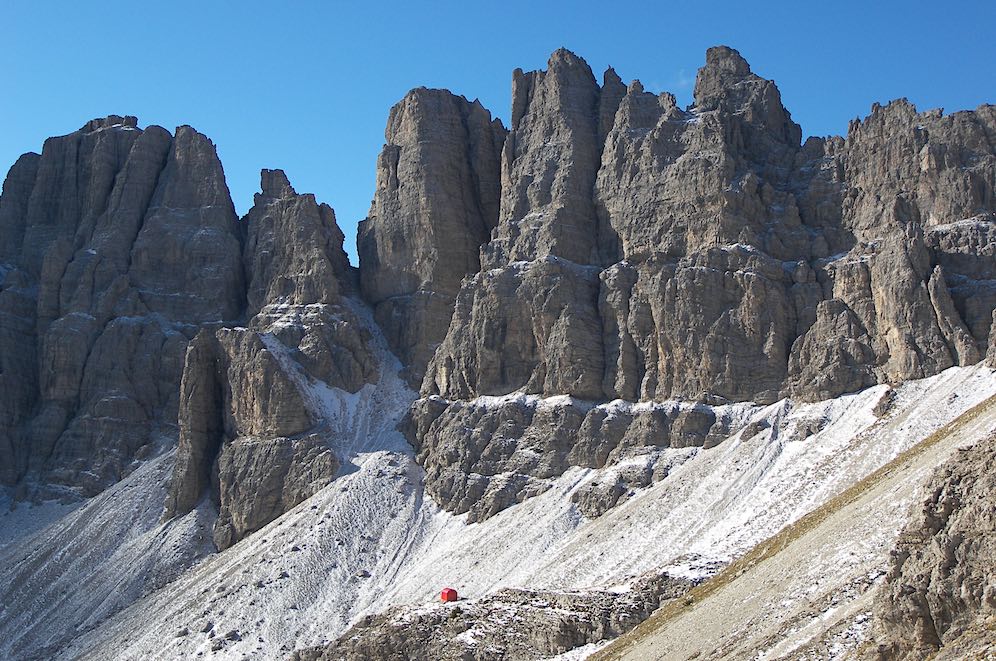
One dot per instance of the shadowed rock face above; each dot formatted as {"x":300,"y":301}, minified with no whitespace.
{"x":939,"y":593}
{"x":646,"y":252}
{"x":251,"y":435}
{"x":436,"y":202}
{"x":124,"y":275}
{"x":117,"y":245}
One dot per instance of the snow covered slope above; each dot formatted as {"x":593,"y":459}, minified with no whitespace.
{"x":372,"y":539}
{"x":92,"y":562}
{"x":808,"y":592}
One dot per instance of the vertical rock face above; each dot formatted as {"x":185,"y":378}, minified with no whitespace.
{"x":529,"y":319}
{"x":118,"y":244}
{"x":530,"y":325}
{"x":646,"y":252}
{"x":548,"y":167}
{"x":676,"y":182}
{"x":436,"y":203}
{"x":298,"y":275}
{"x":18,"y":309}
{"x":939,"y":591}
{"x":201,"y":422}
{"x":609,"y":246}
{"x":186,"y":245}
{"x":699,"y":200}
{"x":252,"y":431}
{"x":914,"y":194}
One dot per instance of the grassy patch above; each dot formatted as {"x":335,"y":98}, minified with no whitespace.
{"x":789,"y":534}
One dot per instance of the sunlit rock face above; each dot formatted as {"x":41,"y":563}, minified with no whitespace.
{"x":609,"y":245}
{"x":646,"y":252}
{"x":253,"y":435}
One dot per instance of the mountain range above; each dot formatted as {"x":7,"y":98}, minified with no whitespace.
{"x":620,"y":371}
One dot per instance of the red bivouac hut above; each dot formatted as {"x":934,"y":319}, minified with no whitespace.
{"x":448,"y":594}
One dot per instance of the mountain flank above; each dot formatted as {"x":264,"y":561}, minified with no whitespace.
{"x":557,"y":333}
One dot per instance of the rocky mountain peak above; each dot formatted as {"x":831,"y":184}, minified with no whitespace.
{"x":724,"y":69}
{"x":566,"y":64}
{"x":126,"y":121}
{"x":726,"y":83}
{"x":726,"y":60}
{"x":274,"y":184}
{"x":612,"y":93}
{"x":549,"y":163}
{"x":436,"y":202}
{"x":293,"y":253}
{"x":567,"y":82}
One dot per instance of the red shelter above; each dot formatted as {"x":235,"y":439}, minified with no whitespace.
{"x":448,"y":594}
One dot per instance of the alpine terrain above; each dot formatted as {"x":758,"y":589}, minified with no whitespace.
{"x":637,"y":381}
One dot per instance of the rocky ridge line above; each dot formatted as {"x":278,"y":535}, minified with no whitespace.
{"x":701,"y":254}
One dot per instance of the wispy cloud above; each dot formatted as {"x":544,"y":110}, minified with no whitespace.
{"x":683,"y":79}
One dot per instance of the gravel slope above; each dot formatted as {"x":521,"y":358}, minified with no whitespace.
{"x":372,"y":539}
{"x":808,"y":592}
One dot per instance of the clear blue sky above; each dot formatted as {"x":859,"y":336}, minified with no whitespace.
{"x":306,"y":86}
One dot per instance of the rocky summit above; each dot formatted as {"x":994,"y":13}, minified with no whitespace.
{"x":118,"y":245}
{"x":706,"y":255}
{"x":556,"y":330}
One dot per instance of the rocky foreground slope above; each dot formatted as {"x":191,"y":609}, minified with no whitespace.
{"x":565,"y":311}
{"x":939,"y":594}
{"x":372,"y":540}
{"x":833,"y":584}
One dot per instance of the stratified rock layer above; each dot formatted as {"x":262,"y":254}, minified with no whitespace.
{"x":487,"y":454}
{"x":706,"y":254}
{"x":116,"y":245}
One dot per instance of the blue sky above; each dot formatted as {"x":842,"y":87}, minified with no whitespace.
{"x":306,"y":86}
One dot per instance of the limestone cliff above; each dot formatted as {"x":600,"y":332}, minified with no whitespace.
{"x":117,"y":244}
{"x":611,"y":275}
{"x":707,"y":254}
{"x":252,"y":434}
{"x":436,"y":202}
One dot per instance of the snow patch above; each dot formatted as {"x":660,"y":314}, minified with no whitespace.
{"x":372,"y":539}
